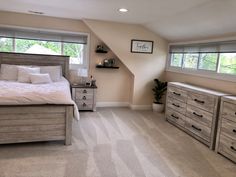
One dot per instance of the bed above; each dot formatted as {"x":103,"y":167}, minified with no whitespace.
{"x":40,"y":121}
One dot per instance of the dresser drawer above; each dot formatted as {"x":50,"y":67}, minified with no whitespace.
{"x":205,"y":102}
{"x":199,"y":115}
{"x":86,"y":91}
{"x":229,"y":111}
{"x":176,"y":105}
{"x":177,"y":93}
{"x":198,"y":129}
{"x":228,"y":128}
{"x":85,"y":105}
{"x":227,"y":147}
{"x":175,"y":117}
{"x":83,"y":97}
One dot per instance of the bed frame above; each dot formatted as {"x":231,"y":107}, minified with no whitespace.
{"x":30,"y":123}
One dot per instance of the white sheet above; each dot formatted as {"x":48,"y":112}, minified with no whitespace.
{"x":15,"y":93}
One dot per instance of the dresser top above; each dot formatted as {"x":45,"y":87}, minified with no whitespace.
{"x":196,"y":88}
{"x":231,"y":98}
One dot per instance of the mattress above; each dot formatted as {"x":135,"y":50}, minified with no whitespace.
{"x":15,"y":93}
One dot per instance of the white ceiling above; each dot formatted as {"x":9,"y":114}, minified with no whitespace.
{"x":175,"y":20}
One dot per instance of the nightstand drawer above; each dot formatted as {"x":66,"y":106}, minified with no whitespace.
{"x":83,"y":97}
{"x":177,"y":93}
{"x":86,"y":91}
{"x":176,"y":105}
{"x":84,"y":105}
{"x":199,"y":115}
{"x":198,"y":129}
{"x":205,"y":102}
{"x":229,"y":111}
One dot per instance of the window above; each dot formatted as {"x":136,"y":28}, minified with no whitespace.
{"x":227,"y":63}
{"x":190,"y":60}
{"x":6,"y":44}
{"x":209,"y":59}
{"x":43,"y":42}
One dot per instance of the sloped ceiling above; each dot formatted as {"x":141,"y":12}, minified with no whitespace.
{"x":175,"y":20}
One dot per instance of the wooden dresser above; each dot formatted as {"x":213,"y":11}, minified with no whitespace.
{"x":194,"y":110}
{"x":226,"y":136}
{"x":84,"y":97}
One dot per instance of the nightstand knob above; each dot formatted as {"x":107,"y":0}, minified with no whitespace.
{"x":84,"y":91}
{"x":84,"y":97}
{"x":84,"y":104}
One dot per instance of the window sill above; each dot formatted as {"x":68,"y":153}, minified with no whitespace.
{"x":205,"y":74}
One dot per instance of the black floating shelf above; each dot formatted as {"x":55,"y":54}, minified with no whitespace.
{"x":107,"y":67}
{"x":101,"y":51}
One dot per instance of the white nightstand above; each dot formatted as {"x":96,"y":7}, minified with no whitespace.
{"x":84,"y":97}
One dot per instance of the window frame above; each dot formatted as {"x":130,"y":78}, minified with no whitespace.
{"x":200,"y":72}
{"x":86,"y":55}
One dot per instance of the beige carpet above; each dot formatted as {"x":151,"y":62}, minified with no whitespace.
{"x":117,"y":142}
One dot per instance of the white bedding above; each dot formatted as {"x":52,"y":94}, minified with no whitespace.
{"x":15,"y":93}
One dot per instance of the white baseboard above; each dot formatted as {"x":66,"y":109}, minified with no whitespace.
{"x":112,"y":104}
{"x":140,"y":107}
{"x":124,"y":104}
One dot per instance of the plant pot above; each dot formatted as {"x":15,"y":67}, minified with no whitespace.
{"x":157,"y":107}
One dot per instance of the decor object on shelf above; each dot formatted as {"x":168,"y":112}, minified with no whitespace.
{"x":141,"y":46}
{"x":101,"y":49}
{"x":108,"y":63}
{"x":159,"y":90}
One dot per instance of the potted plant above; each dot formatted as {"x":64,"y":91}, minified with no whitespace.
{"x":159,"y":90}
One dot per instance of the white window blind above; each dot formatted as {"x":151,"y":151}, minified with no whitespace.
{"x":216,"y":47}
{"x":43,"y":35}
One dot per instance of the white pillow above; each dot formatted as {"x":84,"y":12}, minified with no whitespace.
{"x":40,"y":78}
{"x":9,"y":72}
{"x":24,"y":73}
{"x":55,"y":72}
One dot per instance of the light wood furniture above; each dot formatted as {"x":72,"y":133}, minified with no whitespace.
{"x":226,"y":135}
{"x":84,"y":97}
{"x":194,"y":110}
{"x":29,"y":123}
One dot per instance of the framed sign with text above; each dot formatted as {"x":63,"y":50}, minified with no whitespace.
{"x":141,"y":46}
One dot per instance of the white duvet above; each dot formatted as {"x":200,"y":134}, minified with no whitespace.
{"x":15,"y":93}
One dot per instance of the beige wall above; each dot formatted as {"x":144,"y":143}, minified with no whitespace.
{"x":224,"y":86}
{"x":113,"y":85}
{"x":145,"y":67}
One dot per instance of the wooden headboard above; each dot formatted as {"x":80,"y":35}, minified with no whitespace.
{"x":37,"y":60}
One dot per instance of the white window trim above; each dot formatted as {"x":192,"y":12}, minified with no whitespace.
{"x":72,"y":66}
{"x":199,"y":72}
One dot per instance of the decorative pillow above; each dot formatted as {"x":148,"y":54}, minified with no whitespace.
{"x":9,"y":72}
{"x":55,"y":72}
{"x":40,"y":78}
{"x":24,"y":73}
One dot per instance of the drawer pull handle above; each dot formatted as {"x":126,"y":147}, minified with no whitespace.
{"x":172,"y":115}
{"x":84,"y":104}
{"x":234,"y":130}
{"x":178,"y":94}
{"x":198,"y":115}
{"x":84,"y":97}
{"x":84,"y":91}
{"x":198,"y":129}
{"x":233,"y":148}
{"x":175,"y":105}
{"x":199,"y":101}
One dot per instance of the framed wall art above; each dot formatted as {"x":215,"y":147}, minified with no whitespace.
{"x":141,"y":46}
